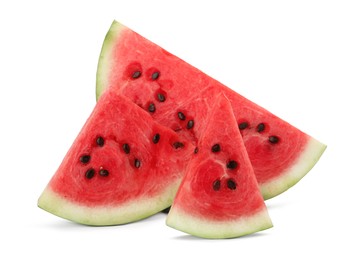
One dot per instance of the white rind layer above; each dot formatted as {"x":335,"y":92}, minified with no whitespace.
{"x":205,"y":228}
{"x":104,"y":215}
{"x":312,"y":153}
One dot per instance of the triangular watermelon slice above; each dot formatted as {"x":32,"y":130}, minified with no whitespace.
{"x":122,"y":167}
{"x":219,"y":196}
{"x":163,"y":85}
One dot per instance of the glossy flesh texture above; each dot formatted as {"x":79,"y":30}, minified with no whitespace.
{"x":184,"y":88}
{"x":123,"y":166}
{"x":219,"y":196}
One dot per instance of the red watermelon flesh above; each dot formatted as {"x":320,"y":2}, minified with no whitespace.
{"x":164,"y":85}
{"x":123,"y":166}
{"x":219,"y":196}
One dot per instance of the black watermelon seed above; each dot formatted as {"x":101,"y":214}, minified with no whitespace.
{"x":136,"y":74}
{"x":216,"y":185}
{"x":181,"y":116}
{"x":215,"y":148}
{"x":104,"y":172}
{"x":190,"y":124}
{"x":231,"y":184}
{"x":161,"y":97}
{"x":85,"y":158}
{"x":196,"y":150}
{"x":243,"y":125}
{"x":260,"y":127}
{"x":273,"y":139}
{"x":100,"y":141}
{"x":155,"y":75}
{"x":126,"y":148}
{"x":177,"y":145}
{"x":156,"y":138}
{"x":151,"y":108}
{"x":232,"y":165}
{"x":137,"y":163}
{"x":89,"y":173}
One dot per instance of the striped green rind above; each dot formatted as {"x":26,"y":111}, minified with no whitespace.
{"x":306,"y":161}
{"x":206,"y":228}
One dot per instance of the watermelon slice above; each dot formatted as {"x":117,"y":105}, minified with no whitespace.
{"x":122,"y":167}
{"x":168,"y":87}
{"x":219,"y":196}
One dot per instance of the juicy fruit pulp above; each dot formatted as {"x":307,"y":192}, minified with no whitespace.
{"x":122,"y":167}
{"x":219,"y":196}
{"x":178,"y":95}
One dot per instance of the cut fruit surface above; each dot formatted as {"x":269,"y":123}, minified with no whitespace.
{"x":179,"y":95}
{"x":219,"y":196}
{"x":123,"y":166}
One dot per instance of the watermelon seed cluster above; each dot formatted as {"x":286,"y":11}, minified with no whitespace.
{"x":230,"y":183}
{"x":182,"y":117}
{"x":90,"y":173}
{"x":260,"y":128}
{"x":86,"y":158}
{"x":160,"y":96}
{"x":216,"y":148}
{"x":126,"y":149}
{"x":231,"y":165}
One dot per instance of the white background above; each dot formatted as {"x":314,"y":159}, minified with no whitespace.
{"x":292,"y":57}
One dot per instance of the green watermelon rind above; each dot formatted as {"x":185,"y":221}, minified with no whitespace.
{"x":103,"y":63}
{"x":212,"y":229}
{"x":306,"y":161}
{"x":56,"y":204}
